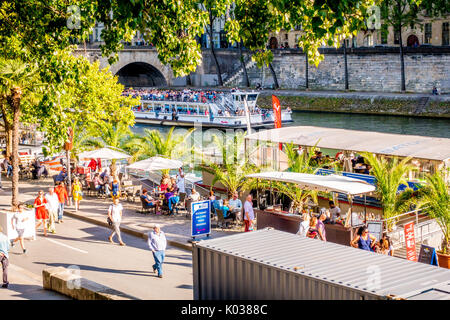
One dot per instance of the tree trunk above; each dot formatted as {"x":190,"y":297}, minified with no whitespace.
{"x":211,"y":43}
{"x":306,"y":71}
{"x":14,"y":102}
{"x":8,"y":131}
{"x":246,"y":79}
{"x":345,"y":65}
{"x":402,"y":62}
{"x":275,"y":80}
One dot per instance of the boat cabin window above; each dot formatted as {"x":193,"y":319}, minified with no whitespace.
{"x":251,"y":97}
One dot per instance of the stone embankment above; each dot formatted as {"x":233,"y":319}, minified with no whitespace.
{"x":356,"y":102}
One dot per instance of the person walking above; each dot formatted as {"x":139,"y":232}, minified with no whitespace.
{"x":157,"y":243}
{"x":4,"y":257}
{"x":41,"y":211}
{"x":77,"y":193}
{"x":18,"y":224}
{"x":115,"y":189}
{"x":363,"y":240}
{"x":115,"y":215}
{"x":249,"y":215}
{"x":63,"y":198}
{"x":52,"y":207}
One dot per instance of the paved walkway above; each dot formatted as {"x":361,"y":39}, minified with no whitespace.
{"x":94,"y":210}
{"x":25,"y":285}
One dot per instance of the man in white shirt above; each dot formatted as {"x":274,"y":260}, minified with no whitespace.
{"x":195,"y":196}
{"x":52,"y":207}
{"x":249,"y":215}
{"x":115,"y":215}
{"x":334,"y":211}
{"x":181,"y":183}
{"x":157,"y":243}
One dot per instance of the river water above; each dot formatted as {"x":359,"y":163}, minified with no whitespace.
{"x":434,"y":127}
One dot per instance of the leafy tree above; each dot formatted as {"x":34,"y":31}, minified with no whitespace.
{"x":434,"y":199}
{"x":390,"y":174}
{"x":301,"y":163}
{"x":216,"y":9}
{"x":154,"y":143}
{"x":233,"y":170}
{"x":19,"y":86}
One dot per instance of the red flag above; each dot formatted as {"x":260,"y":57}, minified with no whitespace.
{"x":410,"y":242}
{"x":276,"y":111}
{"x":277,"y":114}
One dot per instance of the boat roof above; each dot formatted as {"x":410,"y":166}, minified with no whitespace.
{"x":388,"y":144}
{"x":329,"y":183}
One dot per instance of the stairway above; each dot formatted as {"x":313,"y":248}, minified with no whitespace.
{"x":238,"y":73}
{"x":421,"y":105}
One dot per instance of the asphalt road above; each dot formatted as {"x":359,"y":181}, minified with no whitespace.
{"x":127,"y":269}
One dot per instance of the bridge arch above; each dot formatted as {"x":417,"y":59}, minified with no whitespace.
{"x":141,"y":74}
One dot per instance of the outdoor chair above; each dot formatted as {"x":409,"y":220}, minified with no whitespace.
{"x":165,"y":206}
{"x":187,"y":206}
{"x":144,"y":208}
{"x":221,"y":221}
{"x":91,"y":190}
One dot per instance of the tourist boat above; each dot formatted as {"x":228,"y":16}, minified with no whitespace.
{"x":224,"y":110}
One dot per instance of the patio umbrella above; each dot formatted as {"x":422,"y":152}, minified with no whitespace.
{"x":156,"y":163}
{"x":104,"y":153}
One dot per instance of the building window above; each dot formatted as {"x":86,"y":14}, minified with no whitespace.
{"x":286,"y":37}
{"x":428,"y":35}
{"x":445,"y":34}
{"x":384,"y":34}
{"x":354,"y":42}
{"x":368,"y":40}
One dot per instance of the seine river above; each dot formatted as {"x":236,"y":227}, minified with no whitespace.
{"x":433,"y":127}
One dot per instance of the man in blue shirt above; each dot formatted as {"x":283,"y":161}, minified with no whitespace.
{"x":4,"y":249}
{"x":157,"y":243}
{"x":235,"y":205}
{"x":61,"y":175}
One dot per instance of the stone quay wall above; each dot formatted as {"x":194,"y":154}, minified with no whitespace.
{"x":369,"y":69}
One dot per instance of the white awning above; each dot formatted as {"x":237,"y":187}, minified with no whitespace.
{"x":330,"y":183}
{"x":360,"y":141}
{"x":103,"y":153}
{"x":156,"y":163}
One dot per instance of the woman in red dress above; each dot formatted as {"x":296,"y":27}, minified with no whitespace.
{"x":41,"y":211}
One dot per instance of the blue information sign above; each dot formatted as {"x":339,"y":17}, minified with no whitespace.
{"x":201,"y":218}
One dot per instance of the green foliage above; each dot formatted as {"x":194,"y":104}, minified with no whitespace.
{"x":390,"y":174}
{"x":154,"y":143}
{"x":234,"y":168}
{"x":172,"y":25}
{"x":434,"y":199}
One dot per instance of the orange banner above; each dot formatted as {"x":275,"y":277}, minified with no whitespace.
{"x":410,"y":240}
{"x":277,"y":114}
{"x":276,"y":111}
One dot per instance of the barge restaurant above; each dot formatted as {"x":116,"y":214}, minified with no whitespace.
{"x":428,"y":154}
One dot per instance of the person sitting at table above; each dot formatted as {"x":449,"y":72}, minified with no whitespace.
{"x":98,"y":183}
{"x":212,"y":197}
{"x":172,"y":202}
{"x":227,"y":212}
{"x":62,"y":175}
{"x":235,"y":205}
{"x":194,"y":196}
{"x":115,"y":188}
{"x":149,"y":201}
{"x":165,"y":183}
{"x":173,"y":183}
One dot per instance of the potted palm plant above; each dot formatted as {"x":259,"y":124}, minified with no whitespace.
{"x":435,"y":200}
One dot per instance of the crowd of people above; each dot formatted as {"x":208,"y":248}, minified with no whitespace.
{"x":313,"y":226}
{"x":186,"y":95}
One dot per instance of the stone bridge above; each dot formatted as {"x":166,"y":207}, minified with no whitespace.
{"x":135,"y":67}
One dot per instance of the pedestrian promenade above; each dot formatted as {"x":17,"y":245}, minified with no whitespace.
{"x":95,"y":210}
{"x":25,"y":285}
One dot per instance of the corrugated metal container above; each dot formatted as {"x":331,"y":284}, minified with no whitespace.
{"x":271,"y":264}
